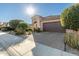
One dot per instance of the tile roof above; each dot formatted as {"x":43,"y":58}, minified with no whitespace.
{"x":52,"y":17}
{"x":47,"y":17}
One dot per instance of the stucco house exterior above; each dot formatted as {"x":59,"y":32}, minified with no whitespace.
{"x":49,"y":23}
{"x":4,"y":24}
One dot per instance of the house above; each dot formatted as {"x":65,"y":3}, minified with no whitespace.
{"x":49,"y":23}
{"x":4,"y":24}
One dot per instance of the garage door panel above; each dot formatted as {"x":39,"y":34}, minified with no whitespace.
{"x":52,"y":26}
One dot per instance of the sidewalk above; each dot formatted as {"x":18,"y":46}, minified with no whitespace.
{"x":15,"y":46}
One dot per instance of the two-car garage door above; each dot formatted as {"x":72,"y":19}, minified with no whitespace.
{"x":52,"y":27}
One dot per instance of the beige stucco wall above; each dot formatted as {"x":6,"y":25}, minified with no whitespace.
{"x":40,"y":22}
{"x":36,"y":19}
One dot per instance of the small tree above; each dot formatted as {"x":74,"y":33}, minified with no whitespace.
{"x":70,"y":18}
{"x":14,"y":23}
{"x":21,"y":28}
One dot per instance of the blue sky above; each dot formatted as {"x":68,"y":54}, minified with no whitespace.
{"x":17,"y":11}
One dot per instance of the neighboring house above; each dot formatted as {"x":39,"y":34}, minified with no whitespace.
{"x":4,"y":24}
{"x":49,"y":23}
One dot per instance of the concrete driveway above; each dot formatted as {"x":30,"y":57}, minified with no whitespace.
{"x":52,"y":39}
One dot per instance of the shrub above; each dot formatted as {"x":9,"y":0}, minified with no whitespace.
{"x":72,"y":40}
{"x":38,"y":30}
{"x":29,"y":29}
{"x":19,"y":31}
{"x":70,"y":18}
{"x":29,"y":32}
{"x":21,"y":28}
{"x":14,"y":23}
{"x":0,"y":27}
{"x":6,"y":29}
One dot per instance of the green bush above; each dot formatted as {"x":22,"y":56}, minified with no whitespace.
{"x":21,"y":28}
{"x":0,"y":27}
{"x":29,"y":32}
{"x":19,"y":31}
{"x":38,"y":30}
{"x":14,"y":23}
{"x":6,"y":28}
{"x":29,"y":29}
{"x":70,"y":18}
